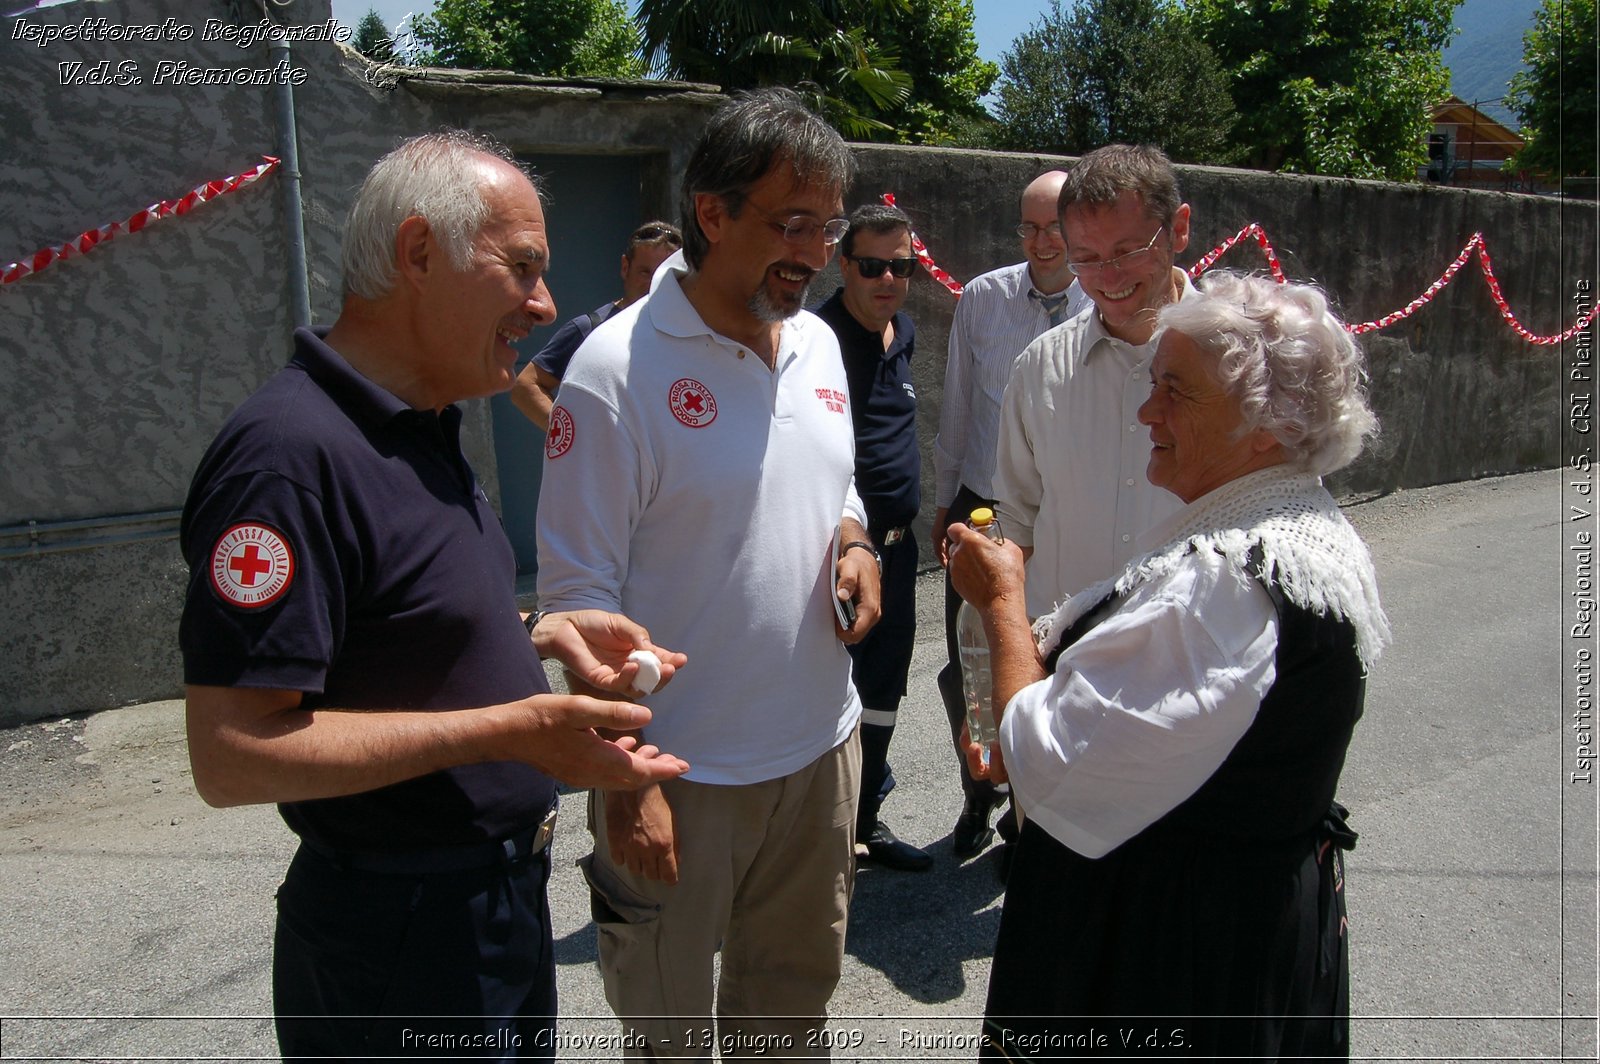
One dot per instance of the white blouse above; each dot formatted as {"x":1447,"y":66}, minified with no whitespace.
{"x":1145,"y":707}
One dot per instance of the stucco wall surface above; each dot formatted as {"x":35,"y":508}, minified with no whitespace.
{"x":121,"y":364}
{"x":1458,"y":393}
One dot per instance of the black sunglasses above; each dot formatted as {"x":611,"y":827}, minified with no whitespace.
{"x":870,"y":268}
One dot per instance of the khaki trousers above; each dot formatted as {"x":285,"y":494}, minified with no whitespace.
{"x":765,"y":875}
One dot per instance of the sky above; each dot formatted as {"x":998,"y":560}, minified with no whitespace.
{"x":997,"y":22}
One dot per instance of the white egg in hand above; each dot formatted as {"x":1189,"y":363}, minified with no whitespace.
{"x":649,"y":677}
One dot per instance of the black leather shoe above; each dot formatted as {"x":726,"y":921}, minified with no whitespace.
{"x":883,"y":848}
{"x":972,"y":832}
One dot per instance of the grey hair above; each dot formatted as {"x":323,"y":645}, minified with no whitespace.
{"x":435,"y":176}
{"x":748,"y":136}
{"x":1101,"y":176}
{"x":873,"y":218}
{"x":1292,"y":366}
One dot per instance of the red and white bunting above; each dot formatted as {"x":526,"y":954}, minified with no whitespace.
{"x":920,"y":249}
{"x":86,"y":242}
{"x":1477,"y":242}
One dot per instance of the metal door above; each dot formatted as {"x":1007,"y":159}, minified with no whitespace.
{"x":592,"y":204}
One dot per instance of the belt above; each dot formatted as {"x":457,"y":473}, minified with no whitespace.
{"x":530,"y":842}
{"x":893,"y":536}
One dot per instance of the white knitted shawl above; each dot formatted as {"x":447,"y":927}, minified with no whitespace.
{"x":1310,"y":551}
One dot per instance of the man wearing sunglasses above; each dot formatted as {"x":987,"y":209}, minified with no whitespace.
{"x":1000,"y":313}
{"x":1070,"y":471}
{"x":877,"y":340}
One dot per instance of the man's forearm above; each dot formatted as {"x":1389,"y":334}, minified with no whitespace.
{"x":533,"y":393}
{"x":250,"y":746}
{"x":535,"y":404}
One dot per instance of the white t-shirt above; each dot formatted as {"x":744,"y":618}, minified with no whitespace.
{"x":697,"y":491}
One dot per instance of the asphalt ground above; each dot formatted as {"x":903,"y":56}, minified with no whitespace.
{"x":137,"y":922}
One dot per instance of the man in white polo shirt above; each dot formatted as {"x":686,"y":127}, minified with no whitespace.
{"x":716,"y":413}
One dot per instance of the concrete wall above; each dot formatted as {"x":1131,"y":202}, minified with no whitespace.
{"x":1459,"y":394}
{"x":121,"y":364}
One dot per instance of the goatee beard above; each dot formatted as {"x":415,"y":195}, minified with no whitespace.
{"x":767,"y":309}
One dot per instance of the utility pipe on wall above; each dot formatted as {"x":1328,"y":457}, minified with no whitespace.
{"x":294,"y":220}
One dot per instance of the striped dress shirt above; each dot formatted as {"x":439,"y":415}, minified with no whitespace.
{"x":994,"y":320}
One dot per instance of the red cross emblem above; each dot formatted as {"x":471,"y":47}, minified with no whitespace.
{"x":559,"y":441}
{"x":692,"y":403}
{"x":251,"y":565}
{"x":248,"y":564}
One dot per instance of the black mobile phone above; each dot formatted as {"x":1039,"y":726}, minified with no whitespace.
{"x":848,"y":608}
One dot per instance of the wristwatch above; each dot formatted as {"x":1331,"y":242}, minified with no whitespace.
{"x":869,"y":548}
{"x":531,"y":621}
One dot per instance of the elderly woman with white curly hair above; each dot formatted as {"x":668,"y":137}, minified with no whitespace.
{"x":1174,"y":735}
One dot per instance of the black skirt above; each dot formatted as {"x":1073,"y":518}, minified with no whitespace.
{"x":1177,"y":943}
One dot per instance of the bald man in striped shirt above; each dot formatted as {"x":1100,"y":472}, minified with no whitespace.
{"x":1000,"y":313}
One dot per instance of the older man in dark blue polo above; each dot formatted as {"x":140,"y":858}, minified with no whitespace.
{"x":353,"y":649}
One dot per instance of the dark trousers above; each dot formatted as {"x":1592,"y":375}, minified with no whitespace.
{"x":402,"y":963}
{"x":955,"y":703}
{"x":879,"y":665}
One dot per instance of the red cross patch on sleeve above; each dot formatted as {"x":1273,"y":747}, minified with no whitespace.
{"x":562,"y":430}
{"x":252,"y":565}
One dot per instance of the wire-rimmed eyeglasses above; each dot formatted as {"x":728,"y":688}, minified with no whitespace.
{"x":1028,"y":230}
{"x":803,"y":229}
{"x":1132,"y":260}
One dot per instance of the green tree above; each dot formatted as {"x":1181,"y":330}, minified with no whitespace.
{"x":372,"y":38}
{"x":905,"y":70}
{"x":1555,"y":97}
{"x":1108,"y":71}
{"x":1337,"y":87}
{"x":939,"y":50}
{"x":558,"y":38}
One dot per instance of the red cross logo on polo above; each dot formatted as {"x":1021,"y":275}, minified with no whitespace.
{"x":559,"y":441}
{"x":251,"y":565}
{"x":692,"y":403}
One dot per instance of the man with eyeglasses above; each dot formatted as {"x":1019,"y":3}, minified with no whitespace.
{"x":716,"y":415}
{"x":1070,"y":472}
{"x":535,"y":390}
{"x":877,"y":341}
{"x":999,"y":314}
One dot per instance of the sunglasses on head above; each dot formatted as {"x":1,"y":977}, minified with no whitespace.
{"x":870,"y":268}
